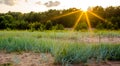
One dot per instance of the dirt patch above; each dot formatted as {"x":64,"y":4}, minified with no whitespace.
{"x":101,"y":40}
{"x":41,"y":59}
{"x":26,"y":59}
{"x":95,"y":40}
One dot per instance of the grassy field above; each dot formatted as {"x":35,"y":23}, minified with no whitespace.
{"x":64,"y":46}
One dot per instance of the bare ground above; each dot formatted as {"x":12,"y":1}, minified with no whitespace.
{"x":26,"y":59}
{"x":95,"y":39}
{"x":41,"y":59}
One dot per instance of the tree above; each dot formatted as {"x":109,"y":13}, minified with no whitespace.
{"x":2,"y":23}
{"x":49,"y":25}
{"x":17,"y":20}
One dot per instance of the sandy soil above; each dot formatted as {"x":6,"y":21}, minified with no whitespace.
{"x":26,"y":59}
{"x":104,"y":40}
{"x":95,"y":40}
{"x":42,"y":59}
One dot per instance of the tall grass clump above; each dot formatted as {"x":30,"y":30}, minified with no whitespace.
{"x":73,"y":53}
{"x":76,"y":53}
{"x":19,"y":44}
{"x":114,"y":52}
{"x":63,"y":50}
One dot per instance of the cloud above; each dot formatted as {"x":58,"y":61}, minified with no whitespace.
{"x":47,"y":4}
{"x":52,"y":4}
{"x":39,"y":3}
{"x":0,"y":1}
{"x":9,"y":2}
{"x":26,"y":0}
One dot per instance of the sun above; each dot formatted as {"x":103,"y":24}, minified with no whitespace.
{"x":84,"y":5}
{"x":84,"y":8}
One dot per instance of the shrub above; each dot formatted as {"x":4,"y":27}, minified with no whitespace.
{"x":58,"y":27}
{"x":80,"y":26}
{"x":48,"y":25}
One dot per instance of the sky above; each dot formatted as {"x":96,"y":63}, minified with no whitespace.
{"x":44,"y":5}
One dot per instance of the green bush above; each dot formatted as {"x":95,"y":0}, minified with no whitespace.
{"x":42,"y":27}
{"x":48,"y":25}
{"x":58,"y":27}
{"x":80,"y":26}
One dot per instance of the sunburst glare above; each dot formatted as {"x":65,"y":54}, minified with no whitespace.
{"x":84,"y":12}
{"x":97,"y":16}
{"x":84,"y":9}
{"x":78,"y":20}
{"x":65,"y":15}
{"x":88,"y":22}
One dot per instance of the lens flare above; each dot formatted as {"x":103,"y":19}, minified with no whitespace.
{"x":88,"y":22}
{"x":65,"y":15}
{"x":84,"y":9}
{"x":84,"y":12}
{"x":78,"y":20}
{"x":97,"y":16}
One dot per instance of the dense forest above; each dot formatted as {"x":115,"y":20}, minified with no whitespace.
{"x":54,"y":19}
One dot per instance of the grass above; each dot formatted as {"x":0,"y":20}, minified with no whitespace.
{"x":61,"y":45}
{"x":6,"y":64}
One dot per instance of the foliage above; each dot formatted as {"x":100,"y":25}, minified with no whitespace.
{"x":49,"y":25}
{"x":65,"y":51}
{"x":50,"y":18}
{"x":58,"y":27}
{"x":80,"y":26}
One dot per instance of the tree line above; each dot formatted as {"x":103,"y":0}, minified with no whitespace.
{"x":60,"y":19}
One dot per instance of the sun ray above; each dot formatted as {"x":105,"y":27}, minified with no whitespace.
{"x":76,"y":23}
{"x":88,"y":22}
{"x":65,"y":15}
{"x":97,"y":16}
